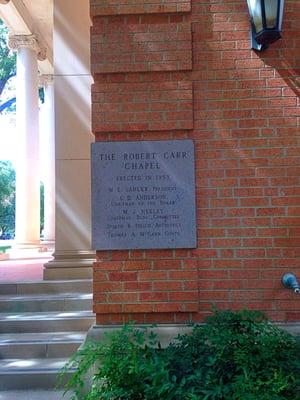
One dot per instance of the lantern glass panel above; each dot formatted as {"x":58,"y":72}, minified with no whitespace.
{"x":271,"y":9}
{"x":256,"y":14}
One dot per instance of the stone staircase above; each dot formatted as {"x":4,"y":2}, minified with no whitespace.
{"x":41,"y":326}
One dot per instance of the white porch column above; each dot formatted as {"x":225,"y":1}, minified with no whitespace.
{"x":73,"y":256}
{"x":27,"y":168}
{"x":47,"y":148}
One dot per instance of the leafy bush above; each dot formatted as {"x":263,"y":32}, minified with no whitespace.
{"x":234,"y":356}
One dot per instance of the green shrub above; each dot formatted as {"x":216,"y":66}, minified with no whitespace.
{"x":234,"y":356}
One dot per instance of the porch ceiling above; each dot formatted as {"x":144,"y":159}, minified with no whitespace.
{"x":32,"y":17}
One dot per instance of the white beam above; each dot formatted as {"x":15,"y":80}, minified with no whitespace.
{"x":13,"y":20}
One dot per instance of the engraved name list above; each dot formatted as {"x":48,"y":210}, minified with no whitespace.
{"x":143,"y":195}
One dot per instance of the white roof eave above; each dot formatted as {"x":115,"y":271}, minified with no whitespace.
{"x":19,"y":22}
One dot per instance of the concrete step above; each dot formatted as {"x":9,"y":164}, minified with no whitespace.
{"x":49,"y":287}
{"x":64,"y":321}
{"x":45,"y":302}
{"x":40,"y":345}
{"x":41,"y":325}
{"x":17,"y":374}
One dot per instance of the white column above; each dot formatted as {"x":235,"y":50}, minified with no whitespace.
{"x":27,"y":168}
{"x":73,"y":256}
{"x":47,"y":152}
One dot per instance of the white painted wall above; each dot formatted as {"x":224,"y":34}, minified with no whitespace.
{"x":72,"y":123}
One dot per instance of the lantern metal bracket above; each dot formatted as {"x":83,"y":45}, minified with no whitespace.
{"x":254,"y":45}
{"x":290,"y":281}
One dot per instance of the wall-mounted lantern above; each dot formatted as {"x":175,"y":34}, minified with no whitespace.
{"x":266,"y":20}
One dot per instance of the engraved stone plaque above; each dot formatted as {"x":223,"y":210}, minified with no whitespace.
{"x":143,"y":195}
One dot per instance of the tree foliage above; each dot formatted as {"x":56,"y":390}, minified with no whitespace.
{"x":7,"y":65}
{"x":7,"y":196}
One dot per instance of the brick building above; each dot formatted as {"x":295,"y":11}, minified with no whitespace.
{"x":178,"y":69}
{"x":147,"y":71}
{"x":181,"y":69}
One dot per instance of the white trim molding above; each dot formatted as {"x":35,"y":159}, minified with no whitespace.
{"x":46,"y":80}
{"x":15,"y":42}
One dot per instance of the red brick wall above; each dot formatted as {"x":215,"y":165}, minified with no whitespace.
{"x":147,"y":106}
{"x":242,"y":110}
{"x":135,"y":47}
{"x":123,"y":7}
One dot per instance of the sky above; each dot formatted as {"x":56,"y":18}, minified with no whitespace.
{"x":8,"y":137}
{"x":9,"y":140}
{"x":8,"y":125}
{"x":8,"y":130}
